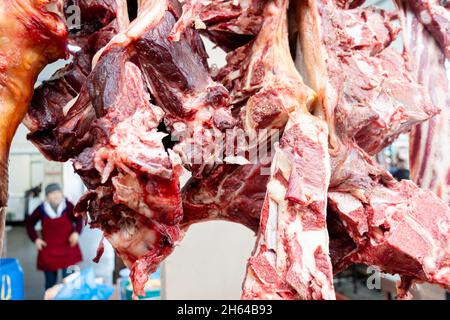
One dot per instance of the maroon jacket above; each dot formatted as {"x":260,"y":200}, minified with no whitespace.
{"x":58,"y":253}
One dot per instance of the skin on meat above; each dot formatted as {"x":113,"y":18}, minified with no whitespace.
{"x":31,"y":36}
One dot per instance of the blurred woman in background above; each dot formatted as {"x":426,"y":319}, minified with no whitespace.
{"x":401,"y":171}
{"x":57,"y":245}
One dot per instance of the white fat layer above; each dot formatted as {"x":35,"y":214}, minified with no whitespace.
{"x":199,"y":24}
{"x":364,"y":67}
{"x":135,"y":243}
{"x":240,"y":160}
{"x":425,"y":17}
{"x":272,"y":225}
{"x":283,"y":164}
{"x":386,"y":197}
{"x":346,"y":203}
{"x":309,"y":241}
{"x":429,"y":265}
{"x":356,"y":32}
{"x":276,"y":191}
{"x":69,"y":105}
{"x":282,"y":213}
{"x":443,"y":273}
{"x":270,"y":256}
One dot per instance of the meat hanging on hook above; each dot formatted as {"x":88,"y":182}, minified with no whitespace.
{"x":32,"y":36}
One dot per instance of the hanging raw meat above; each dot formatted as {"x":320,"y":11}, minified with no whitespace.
{"x":285,"y":148}
{"x":32,"y":35}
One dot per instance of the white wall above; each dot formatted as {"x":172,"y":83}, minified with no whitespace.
{"x":210,"y":262}
{"x":28,"y":168}
{"x":72,"y":184}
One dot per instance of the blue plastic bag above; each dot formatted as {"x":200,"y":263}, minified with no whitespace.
{"x":84,"y":287}
{"x":11,"y":280}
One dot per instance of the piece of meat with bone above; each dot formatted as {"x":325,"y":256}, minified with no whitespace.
{"x":430,"y":141}
{"x":370,"y":89}
{"x":228,"y":23}
{"x":277,"y":90}
{"x":395,"y":226}
{"x":387,"y":220}
{"x":435,"y":16}
{"x":291,"y":258}
{"x":256,"y":78}
{"x":134,"y":192}
{"x":270,"y":91}
{"x":101,"y":20}
{"x":32,"y":37}
{"x":177,"y":73}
